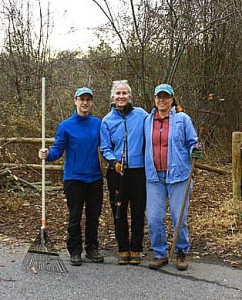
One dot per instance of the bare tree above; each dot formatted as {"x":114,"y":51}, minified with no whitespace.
{"x":25,"y":49}
{"x":166,"y":26}
{"x":131,"y":26}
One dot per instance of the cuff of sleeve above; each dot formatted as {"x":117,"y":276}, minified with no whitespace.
{"x":111,"y":164}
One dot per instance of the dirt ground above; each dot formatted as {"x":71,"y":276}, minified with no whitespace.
{"x":214,"y":219}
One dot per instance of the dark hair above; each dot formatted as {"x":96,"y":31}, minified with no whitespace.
{"x":174,"y":102}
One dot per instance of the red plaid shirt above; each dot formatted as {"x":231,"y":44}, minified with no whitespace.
{"x":160,"y":142}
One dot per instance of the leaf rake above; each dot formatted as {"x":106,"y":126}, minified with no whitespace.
{"x":42,"y":255}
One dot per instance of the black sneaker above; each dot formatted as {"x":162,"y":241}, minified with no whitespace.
{"x":76,"y":260}
{"x":94,"y":255}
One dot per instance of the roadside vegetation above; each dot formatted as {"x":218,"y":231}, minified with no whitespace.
{"x":194,"y":45}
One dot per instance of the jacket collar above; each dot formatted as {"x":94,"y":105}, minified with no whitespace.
{"x":79,"y":117}
{"x":127,"y":109}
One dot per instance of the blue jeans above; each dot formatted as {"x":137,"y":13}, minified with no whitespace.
{"x":157,"y":194}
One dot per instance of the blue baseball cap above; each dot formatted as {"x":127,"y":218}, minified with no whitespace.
{"x":83,"y":90}
{"x":164,"y":87}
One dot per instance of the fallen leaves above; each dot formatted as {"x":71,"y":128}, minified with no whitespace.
{"x":217,"y":219}
{"x":214,"y":219}
{"x":34,"y":270}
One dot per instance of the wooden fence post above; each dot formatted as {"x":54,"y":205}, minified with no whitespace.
{"x":237,"y":164}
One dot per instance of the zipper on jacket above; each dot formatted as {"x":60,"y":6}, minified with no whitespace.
{"x":161,"y":125}
{"x":125,"y":142}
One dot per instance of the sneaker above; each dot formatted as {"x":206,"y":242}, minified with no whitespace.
{"x":134,"y":258}
{"x":76,"y":260}
{"x":123,"y":258}
{"x":157,"y":263}
{"x":181,"y":263}
{"x":94,"y":255}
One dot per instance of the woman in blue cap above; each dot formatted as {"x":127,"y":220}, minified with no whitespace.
{"x":171,"y":141}
{"x":78,"y":136}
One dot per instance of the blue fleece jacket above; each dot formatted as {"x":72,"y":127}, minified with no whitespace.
{"x":79,"y":137}
{"x":182,"y":138}
{"x":113,"y":129}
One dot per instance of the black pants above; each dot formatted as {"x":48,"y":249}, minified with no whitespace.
{"x":77,"y":194}
{"x":133,"y":193}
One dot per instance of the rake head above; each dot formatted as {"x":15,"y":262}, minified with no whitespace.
{"x":43,"y":256}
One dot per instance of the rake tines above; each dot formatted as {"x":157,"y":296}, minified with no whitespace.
{"x":43,"y":262}
{"x":42,"y":256}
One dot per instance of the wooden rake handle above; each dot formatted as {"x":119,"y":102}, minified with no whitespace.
{"x":43,"y":220}
{"x":184,"y":201}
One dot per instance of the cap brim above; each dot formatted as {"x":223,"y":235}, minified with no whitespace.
{"x":84,"y":94}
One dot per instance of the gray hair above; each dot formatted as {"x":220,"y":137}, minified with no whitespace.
{"x":118,"y":83}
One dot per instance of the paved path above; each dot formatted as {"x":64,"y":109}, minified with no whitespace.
{"x":109,"y":281}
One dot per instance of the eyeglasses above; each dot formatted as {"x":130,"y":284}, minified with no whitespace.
{"x":165,"y":97}
{"x":84,"y":100}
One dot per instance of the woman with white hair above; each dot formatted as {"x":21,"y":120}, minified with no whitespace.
{"x":122,"y":145}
